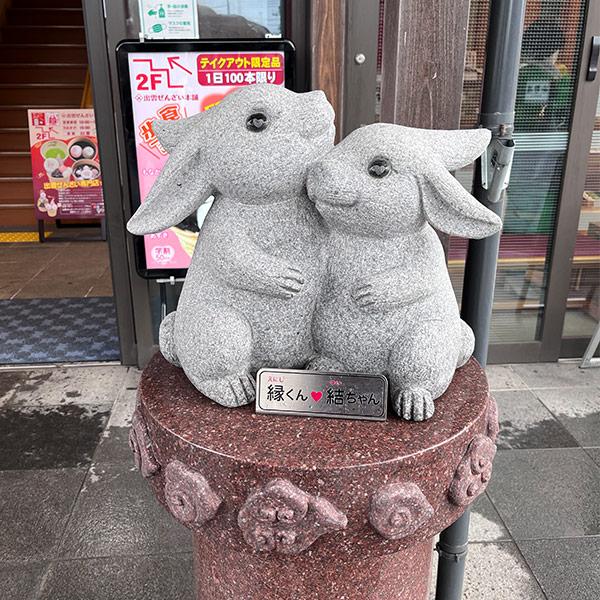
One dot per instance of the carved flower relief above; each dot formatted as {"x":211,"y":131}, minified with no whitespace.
{"x":492,"y":419}
{"x":188,"y":495}
{"x":473,"y":472}
{"x":141,"y":446}
{"x":398,"y":510}
{"x":281,"y":517}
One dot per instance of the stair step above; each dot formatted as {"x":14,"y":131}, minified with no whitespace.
{"x":43,"y":73}
{"x":15,"y":190}
{"x":40,"y":53}
{"x":13,"y":116}
{"x":14,"y":139}
{"x":47,"y":94}
{"x":39,"y":34}
{"x":44,"y":16}
{"x":44,"y":3}
{"x":16,"y":116}
{"x":15,"y":164}
{"x":21,"y":215}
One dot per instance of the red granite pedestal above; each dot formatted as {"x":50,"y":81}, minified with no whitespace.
{"x":292,"y":508}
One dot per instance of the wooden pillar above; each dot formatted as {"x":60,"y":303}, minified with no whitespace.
{"x":424,"y":45}
{"x":327,"y":51}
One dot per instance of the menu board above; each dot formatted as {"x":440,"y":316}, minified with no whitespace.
{"x":171,"y":81}
{"x":67,"y":178}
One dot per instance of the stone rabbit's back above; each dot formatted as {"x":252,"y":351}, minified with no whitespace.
{"x":387,"y":304}
{"x":257,"y":266}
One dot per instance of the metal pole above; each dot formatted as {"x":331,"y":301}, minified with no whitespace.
{"x":505,"y":29}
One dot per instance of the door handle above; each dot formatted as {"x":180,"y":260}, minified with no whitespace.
{"x":592,"y":69}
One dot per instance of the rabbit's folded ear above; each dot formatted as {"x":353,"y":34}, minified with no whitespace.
{"x":170,"y":134}
{"x":179,"y":190}
{"x":451,"y":209}
{"x":456,"y":148}
{"x":182,"y":185}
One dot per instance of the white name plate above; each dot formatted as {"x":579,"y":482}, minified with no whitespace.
{"x":314,"y":394}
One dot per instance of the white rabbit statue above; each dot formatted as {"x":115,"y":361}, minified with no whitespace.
{"x":387,"y":304}
{"x":257,"y":267}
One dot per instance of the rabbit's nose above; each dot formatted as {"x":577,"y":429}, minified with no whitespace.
{"x":318,"y":173}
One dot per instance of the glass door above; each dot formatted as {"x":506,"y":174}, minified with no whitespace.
{"x":529,"y":302}
{"x":583,"y":299}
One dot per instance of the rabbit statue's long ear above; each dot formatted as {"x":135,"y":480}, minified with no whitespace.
{"x":182,"y":185}
{"x":456,"y":148}
{"x":451,"y":209}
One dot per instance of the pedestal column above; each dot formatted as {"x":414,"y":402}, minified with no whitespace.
{"x":299,"y":508}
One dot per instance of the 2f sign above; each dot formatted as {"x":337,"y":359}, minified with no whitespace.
{"x":154,"y":79}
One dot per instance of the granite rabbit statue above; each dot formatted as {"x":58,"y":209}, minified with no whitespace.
{"x":257,"y":266}
{"x":387,"y":304}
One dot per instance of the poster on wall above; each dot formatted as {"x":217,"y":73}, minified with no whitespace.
{"x":168,"y":20}
{"x":67,"y":178}
{"x":170,"y":81}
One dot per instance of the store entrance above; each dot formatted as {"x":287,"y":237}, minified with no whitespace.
{"x":56,"y":297}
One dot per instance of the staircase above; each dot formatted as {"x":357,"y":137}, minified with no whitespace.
{"x":43,"y":64}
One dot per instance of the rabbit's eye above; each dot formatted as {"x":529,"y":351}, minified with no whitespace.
{"x":257,"y":122}
{"x":379,"y":167}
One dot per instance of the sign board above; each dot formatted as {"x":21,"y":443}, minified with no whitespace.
{"x":313,"y":394}
{"x":168,"y":20}
{"x":174,"y":80}
{"x":67,"y":178}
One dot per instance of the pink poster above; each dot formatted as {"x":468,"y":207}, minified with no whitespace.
{"x":67,"y":178}
{"x":167,"y":85}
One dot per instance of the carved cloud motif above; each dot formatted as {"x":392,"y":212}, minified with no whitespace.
{"x":281,"y":517}
{"x":398,"y":510}
{"x":188,"y":495}
{"x":141,"y":446}
{"x":473,"y":472}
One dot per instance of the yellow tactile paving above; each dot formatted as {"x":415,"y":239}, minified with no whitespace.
{"x":21,"y":236}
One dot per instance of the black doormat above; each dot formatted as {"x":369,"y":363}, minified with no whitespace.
{"x":49,"y":330}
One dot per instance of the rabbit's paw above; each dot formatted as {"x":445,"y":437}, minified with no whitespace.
{"x":414,"y":404}
{"x":371,"y":295}
{"x":285,"y":284}
{"x":231,"y":390}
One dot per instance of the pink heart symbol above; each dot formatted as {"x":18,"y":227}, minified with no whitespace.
{"x":316,"y":396}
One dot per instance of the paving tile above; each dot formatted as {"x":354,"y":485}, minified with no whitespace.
{"x":34,"y":508}
{"x":486,"y":524}
{"x":114,"y":442}
{"x":117,"y":513}
{"x":21,"y":581}
{"x":18,"y":270}
{"x":50,"y":437}
{"x":113,"y":447}
{"x":56,"y":287}
{"x":72,"y":385}
{"x":502,"y":377}
{"x":547,"y":493}
{"x":133,"y":377}
{"x":578,"y":409}
{"x":495,"y":572}
{"x":595,"y":454}
{"x":526,"y":423}
{"x":553,"y":375}
{"x":165,"y":577}
{"x":123,"y":408}
{"x":9,"y":382}
{"x":498,"y":572}
{"x":11,"y":287}
{"x":566,"y":569}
